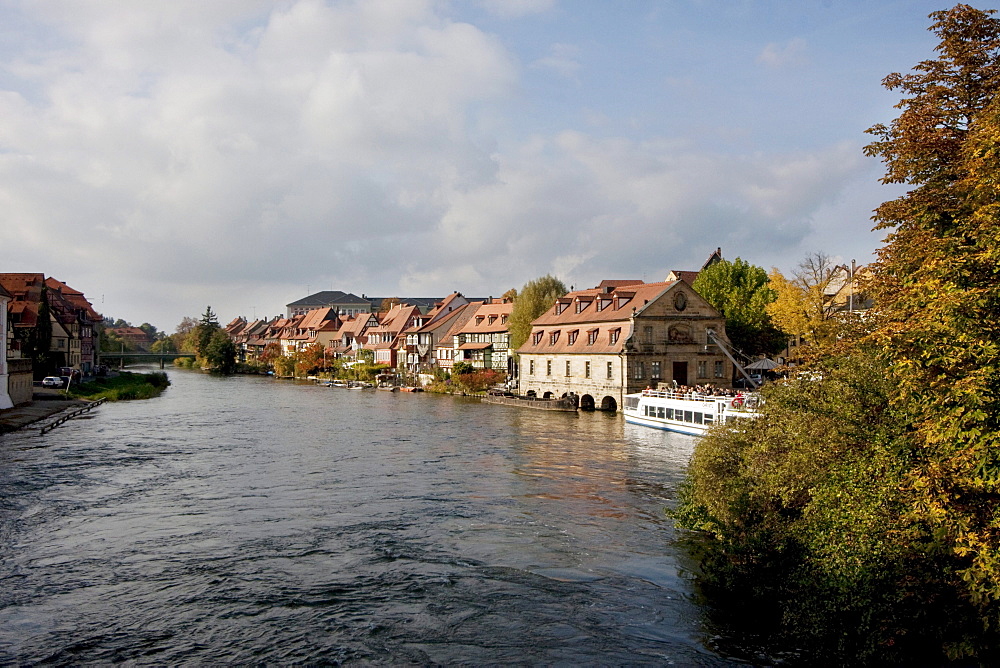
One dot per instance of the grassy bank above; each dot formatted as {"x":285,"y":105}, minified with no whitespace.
{"x":122,"y":387}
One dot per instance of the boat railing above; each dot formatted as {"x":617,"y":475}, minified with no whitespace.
{"x":685,"y":396}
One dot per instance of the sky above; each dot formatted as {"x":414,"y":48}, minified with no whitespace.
{"x":163,"y":156}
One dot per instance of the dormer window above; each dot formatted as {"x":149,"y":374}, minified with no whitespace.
{"x":580,"y":306}
{"x":560,"y":307}
{"x":492,"y":319}
{"x":592,"y":336}
{"x":503,"y":320}
{"x":553,"y":337}
{"x":614,"y":334}
{"x":571,"y":336}
{"x":538,"y":337}
{"x":479,"y":319}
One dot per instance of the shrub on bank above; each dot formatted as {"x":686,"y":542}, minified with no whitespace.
{"x":123,"y":387}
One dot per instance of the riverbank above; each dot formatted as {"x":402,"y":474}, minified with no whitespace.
{"x":44,"y":404}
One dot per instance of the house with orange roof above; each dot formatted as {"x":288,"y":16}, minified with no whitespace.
{"x":74,"y":324}
{"x":28,"y":333}
{"x":416,"y":349}
{"x":606,"y":342}
{"x":484,"y":339}
{"x":446,"y":348}
{"x":383,"y":338}
{"x":135,"y":338}
{"x":352,"y":335}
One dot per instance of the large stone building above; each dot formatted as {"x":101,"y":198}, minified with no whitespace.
{"x":622,"y":337}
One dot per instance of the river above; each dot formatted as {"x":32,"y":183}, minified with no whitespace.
{"x":248,"y":520}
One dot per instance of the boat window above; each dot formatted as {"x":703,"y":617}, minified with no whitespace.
{"x":661,"y":412}
{"x":631,"y":402}
{"x":688,"y":416}
{"x":670,"y":413}
{"x":708,"y":418}
{"x":699,"y":418}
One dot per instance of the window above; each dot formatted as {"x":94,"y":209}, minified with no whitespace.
{"x":553,"y":337}
{"x":703,"y":369}
{"x":647,"y":334}
{"x":567,"y":368}
{"x":538,"y":337}
{"x":718,"y":369}
{"x":531,"y":367}
{"x":548,"y":367}
{"x":579,"y":306}
{"x":492,"y":319}
{"x":613,"y":335}
{"x":611,"y":370}
{"x":591,"y":337}
{"x":656,"y":370}
{"x":571,"y":336}
{"x":503,"y":320}
{"x":640,"y":370}
{"x":586,"y":369}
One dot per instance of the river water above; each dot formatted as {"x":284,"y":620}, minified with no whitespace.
{"x":247,"y":520}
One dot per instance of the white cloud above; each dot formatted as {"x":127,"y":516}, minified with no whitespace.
{"x":513,"y":9}
{"x":175,"y":155}
{"x":793,"y":53}
{"x":563,"y":60}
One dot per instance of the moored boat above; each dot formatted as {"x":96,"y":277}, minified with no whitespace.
{"x":686,"y":412}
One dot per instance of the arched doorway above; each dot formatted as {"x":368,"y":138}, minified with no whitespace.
{"x":547,"y":395}
{"x":609,"y":404}
{"x":587,"y":403}
{"x":531,"y":393}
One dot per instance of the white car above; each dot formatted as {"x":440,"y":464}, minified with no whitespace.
{"x":52,"y":381}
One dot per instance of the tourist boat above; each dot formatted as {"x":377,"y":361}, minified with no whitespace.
{"x":686,"y":412}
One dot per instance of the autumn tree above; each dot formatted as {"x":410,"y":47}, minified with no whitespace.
{"x":801,"y":306}
{"x":937,"y":290}
{"x":861,"y":512}
{"x":534,"y":299}
{"x":741,"y":292}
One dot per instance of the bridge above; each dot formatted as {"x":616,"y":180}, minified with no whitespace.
{"x":140,"y":357}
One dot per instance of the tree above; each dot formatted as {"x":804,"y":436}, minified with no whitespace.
{"x":534,"y":299}
{"x":204,"y":331}
{"x":937,"y":291}
{"x":864,"y":504}
{"x":183,"y":337}
{"x":801,"y":306}
{"x":220,"y":352}
{"x":164,"y":345}
{"x":510,"y":295}
{"x":741,"y":292}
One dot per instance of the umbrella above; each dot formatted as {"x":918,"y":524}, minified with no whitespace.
{"x":762,"y":365}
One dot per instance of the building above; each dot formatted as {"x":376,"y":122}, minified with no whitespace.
{"x":615,"y":339}
{"x":417,"y":350}
{"x":344,"y":303}
{"x":74,"y":327}
{"x":387,"y":338}
{"x":483,"y":341}
{"x":5,"y":400}
{"x":134,"y":338}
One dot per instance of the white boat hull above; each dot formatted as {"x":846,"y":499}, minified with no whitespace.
{"x":684,"y":413}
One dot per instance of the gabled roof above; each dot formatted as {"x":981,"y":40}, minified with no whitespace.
{"x":489,"y":318}
{"x":315,"y":318}
{"x":464,"y":315}
{"x":330,"y":298}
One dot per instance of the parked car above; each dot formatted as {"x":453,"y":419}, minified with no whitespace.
{"x":52,"y":381}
